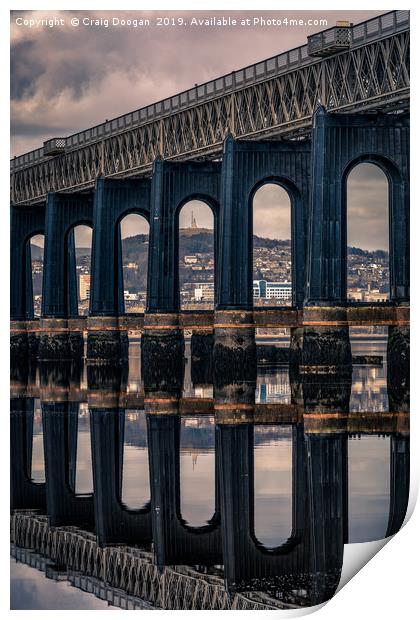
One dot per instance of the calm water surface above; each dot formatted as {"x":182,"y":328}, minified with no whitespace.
{"x":267,"y":481}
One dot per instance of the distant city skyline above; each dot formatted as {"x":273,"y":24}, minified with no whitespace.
{"x":367,"y":205}
{"x":67,"y":79}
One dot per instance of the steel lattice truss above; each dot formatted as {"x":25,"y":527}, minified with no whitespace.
{"x":129,"y":569}
{"x":374,"y":76}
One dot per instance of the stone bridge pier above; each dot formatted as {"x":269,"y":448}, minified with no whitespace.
{"x":25,"y":222}
{"x":61,"y":336}
{"x":113,"y":200}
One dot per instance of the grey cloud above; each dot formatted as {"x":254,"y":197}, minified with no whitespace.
{"x":25,"y":69}
{"x":71,"y":78}
{"x":64,"y":80}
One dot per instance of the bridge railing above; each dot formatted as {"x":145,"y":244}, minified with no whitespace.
{"x":383,"y":25}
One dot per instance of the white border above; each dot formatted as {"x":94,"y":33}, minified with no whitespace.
{"x":387,"y":586}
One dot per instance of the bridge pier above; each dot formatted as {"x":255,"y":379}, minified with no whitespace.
{"x":320,"y":349}
{"x":234,"y":389}
{"x":60,"y":335}
{"x":235,"y":351}
{"x":162,"y":350}
{"x":19,"y":346}
{"x":340,"y":142}
{"x":25,"y":222}
{"x":113,"y":200}
{"x":105,"y":340}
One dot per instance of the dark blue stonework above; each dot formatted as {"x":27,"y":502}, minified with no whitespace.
{"x":24,"y":492}
{"x":25,"y":222}
{"x":176,"y":542}
{"x":173,"y":185}
{"x":339,"y":142}
{"x":64,"y":506}
{"x":247,"y":165}
{"x":314,"y":173}
{"x":113,"y":200}
{"x":114,"y":522}
{"x":63,"y":213}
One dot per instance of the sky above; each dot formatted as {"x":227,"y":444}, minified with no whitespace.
{"x":66,"y":78}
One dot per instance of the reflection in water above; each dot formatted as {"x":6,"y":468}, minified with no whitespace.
{"x":273,"y":385}
{"x":135,"y":482}
{"x":84,"y":479}
{"x":369,"y":389}
{"x":369,"y":488}
{"x":38,"y":466}
{"x":29,"y":589}
{"x":197,"y":470}
{"x":250,"y":487}
{"x":273,"y":484}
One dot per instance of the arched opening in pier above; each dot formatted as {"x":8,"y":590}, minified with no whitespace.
{"x":135,"y":492}
{"x":273,"y":475}
{"x":134,"y":231}
{"x":36,"y":244}
{"x":196,"y":256}
{"x":369,"y":488}
{"x":368,"y":277}
{"x":271,"y":246}
{"x":197,"y":470}
{"x":83,"y":474}
{"x":83,"y":249}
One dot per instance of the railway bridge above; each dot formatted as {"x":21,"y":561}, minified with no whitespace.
{"x":302,"y":120}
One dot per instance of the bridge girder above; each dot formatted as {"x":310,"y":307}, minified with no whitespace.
{"x":372,"y":76}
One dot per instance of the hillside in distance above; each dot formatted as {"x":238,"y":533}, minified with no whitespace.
{"x":198,"y":241}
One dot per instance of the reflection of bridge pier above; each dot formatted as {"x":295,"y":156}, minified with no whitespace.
{"x":247,"y":564}
{"x":25,"y":493}
{"x":312,"y":555}
{"x":398,"y":368}
{"x":114,"y":523}
{"x":60,"y":425}
{"x":64,"y":506}
{"x":398,"y":387}
{"x":400,"y":481}
{"x":313,"y":551}
{"x":175,"y":542}
{"x":326,"y":455}
{"x":326,"y":399}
